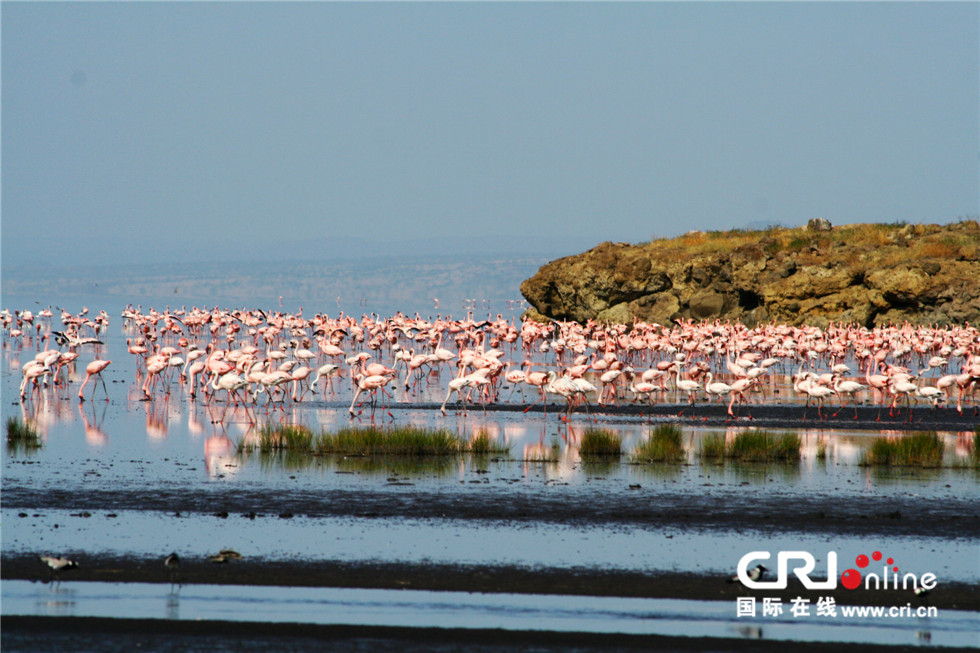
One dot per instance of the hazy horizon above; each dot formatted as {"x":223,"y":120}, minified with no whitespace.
{"x":184,"y":132}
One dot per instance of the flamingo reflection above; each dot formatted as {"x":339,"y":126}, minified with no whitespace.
{"x":94,"y":435}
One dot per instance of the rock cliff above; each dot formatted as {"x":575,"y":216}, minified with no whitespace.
{"x":870,"y":274}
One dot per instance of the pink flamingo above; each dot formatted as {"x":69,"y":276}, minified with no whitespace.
{"x":326,"y":371}
{"x":719,"y":389}
{"x":94,"y":369}
{"x":538,"y":380}
{"x":32,"y":370}
{"x":642,"y":389}
{"x":370,"y":384}
{"x":850,"y":388}
{"x":688,"y":386}
{"x":457,"y":385}
{"x":300,"y":375}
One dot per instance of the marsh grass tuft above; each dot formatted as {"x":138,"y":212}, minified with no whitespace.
{"x":482,"y":444}
{"x":369,"y":441}
{"x":663,"y":445}
{"x":21,"y":436}
{"x":923,"y":449}
{"x":289,"y":438}
{"x":712,"y":447}
{"x":600,"y":442}
{"x":764,"y":446}
{"x":821,"y":451}
{"x":395,"y":441}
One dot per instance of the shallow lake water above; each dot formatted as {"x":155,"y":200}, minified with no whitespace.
{"x":134,"y":448}
{"x":422,"y":609}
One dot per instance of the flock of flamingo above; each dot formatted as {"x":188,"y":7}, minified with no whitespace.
{"x":237,"y":356}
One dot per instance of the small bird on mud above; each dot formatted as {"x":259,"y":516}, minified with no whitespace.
{"x":754,"y":574}
{"x":172,"y":563}
{"x":921,"y":592}
{"x":58,"y":565}
{"x":224,"y":555}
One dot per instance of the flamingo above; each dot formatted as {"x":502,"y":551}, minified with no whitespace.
{"x":564,"y":386}
{"x":608,"y":380}
{"x":879,"y":382}
{"x":231,"y":383}
{"x":932,"y":394}
{"x":850,"y":388}
{"x":32,"y":371}
{"x":372,"y":384}
{"x":688,"y":386}
{"x":642,"y":389}
{"x":94,"y":369}
{"x":719,"y":389}
{"x":300,"y":374}
{"x":327,"y":371}
{"x":539,"y":380}
{"x":741,"y":386}
{"x":818,"y":392}
{"x":270,"y":383}
{"x":516,"y":378}
{"x":906,"y":388}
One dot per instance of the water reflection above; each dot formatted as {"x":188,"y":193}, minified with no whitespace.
{"x":378,"y":467}
{"x":659,"y":471}
{"x":94,"y":435}
{"x":220,"y":456}
{"x":173,"y":604}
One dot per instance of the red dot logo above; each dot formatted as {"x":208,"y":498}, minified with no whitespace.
{"x":876,"y":555}
{"x":862,"y":561}
{"x":889,"y":561}
{"x":851,"y":579}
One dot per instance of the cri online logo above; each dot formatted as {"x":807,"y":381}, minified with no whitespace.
{"x":851,"y":579}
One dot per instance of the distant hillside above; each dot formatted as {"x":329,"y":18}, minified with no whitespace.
{"x":865,"y":273}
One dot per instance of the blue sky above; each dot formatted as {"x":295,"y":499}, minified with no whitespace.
{"x":186,"y":131}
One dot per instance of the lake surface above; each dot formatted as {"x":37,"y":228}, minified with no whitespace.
{"x":119,"y":453}
{"x":421,"y":609}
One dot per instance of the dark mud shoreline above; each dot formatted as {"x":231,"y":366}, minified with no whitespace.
{"x":77,"y":634}
{"x":71,"y":634}
{"x":791,"y":416}
{"x":717,"y":509}
{"x":465,"y":578}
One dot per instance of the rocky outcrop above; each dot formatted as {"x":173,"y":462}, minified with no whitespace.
{"x":865,"y":273}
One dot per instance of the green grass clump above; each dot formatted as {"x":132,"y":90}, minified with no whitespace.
{"x":396,"y":441}
{"x":21,"y":436}
{"x":290,"y":438}
{"x":712,"y":447}
{"x":600,"y":442}
{"x":764,"y":446}
{"x":663,"y":445}
{"x":923,"y":449}
{"x":976,"y":448}
{"x":482,"y":444}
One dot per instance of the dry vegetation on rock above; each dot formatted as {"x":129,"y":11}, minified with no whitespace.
{"x":865,"y":273}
